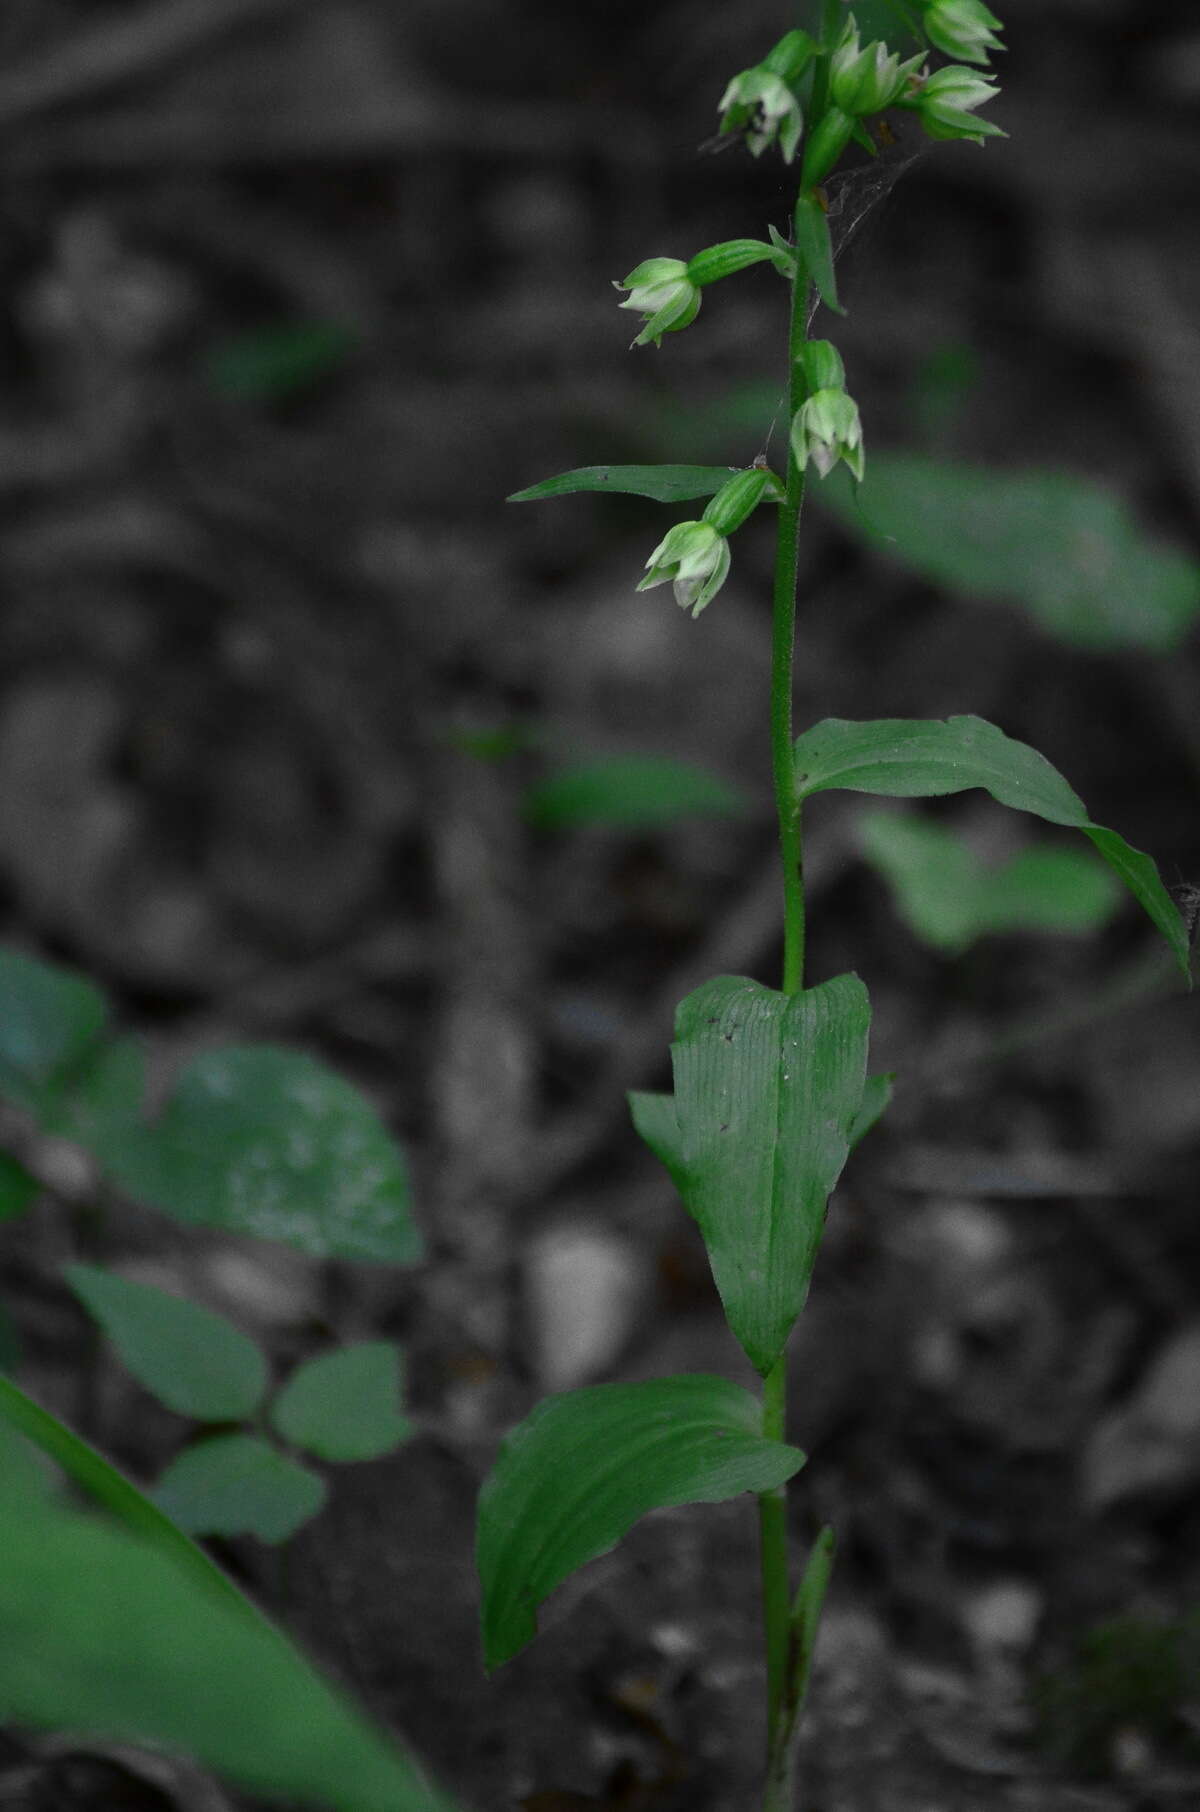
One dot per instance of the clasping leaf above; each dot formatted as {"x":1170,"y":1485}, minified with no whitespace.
{"x":767,"y":1091}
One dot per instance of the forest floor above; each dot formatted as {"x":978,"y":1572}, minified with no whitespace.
{"x":296,"y":291}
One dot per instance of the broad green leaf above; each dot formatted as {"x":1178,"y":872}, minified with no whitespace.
{"x":237,"y":1485}
{"x":268,"y":1142}
{"x":193,"y":1360}
{"x":950,"y":897}
{"x":576,"y":1475}
{"x":767,"y":1089}
{"x":100,"y":1632}
{"x":815,"y":250}
{"x":50,"y":1019}
{"x":17,"y":1187}
{"x":345,"y":1405}
{"x":1066,"y":549}
{"x":280,"y":361}
{"x":911,"y":758}
{"x":631,"y":791}
{"x":666,"y":484}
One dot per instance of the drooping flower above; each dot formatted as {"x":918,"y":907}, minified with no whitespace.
{"x":759,"y":103}
{"x":827,"y":428}
{"x":963,"y":28}
{"x":694,"y":558}
{"x":866,"y":80}
{"x":945,"y":103}
{"x":661,"y":289}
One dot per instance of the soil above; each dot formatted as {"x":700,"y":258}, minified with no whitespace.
{"x":297,"y":291}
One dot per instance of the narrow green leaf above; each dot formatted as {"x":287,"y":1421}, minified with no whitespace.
{"x":666,"y":484}
{"x":50,"y":1018}
{"x":807,"y":1606}
{"x":815,"y":250}
{"x":576,"y":1475}
{"x":193,"y":1360}
{"x":268,"y":1142}
{"x":345,"y":1405}
{"x":918,"y":758}
{"x":629,"y":791}
{"x":101,"y":1481}
{"x":767,"y":1089}
{"x":876,"y":1097}
{"x":1065,"y":549}
{"x":237,"y":1485}
{"x":17,"y":1187}
{"x":102,"y":1632}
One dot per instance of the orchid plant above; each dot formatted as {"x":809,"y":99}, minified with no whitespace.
{"x":771,"y":1089}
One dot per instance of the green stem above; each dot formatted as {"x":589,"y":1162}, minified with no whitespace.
{"x":783,"y":635}
{"x":773,"y":1544}
{"x":772,"y":1505}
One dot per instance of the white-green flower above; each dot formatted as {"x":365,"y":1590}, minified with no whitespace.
{"x":946,"y":102}
{"x":759,"y":103}
{"x":867,"y":80}
{"x":694,"y":557}
{"x":963,"y":29}
{"x":661,"y":289}
{"x":827,"y":428}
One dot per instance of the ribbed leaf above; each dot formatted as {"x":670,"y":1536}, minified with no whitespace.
{"x":237,"y":1485}
{"x":767,"y":1091}
{"x":345,"y":1405}
{"x":580,"y":1471}
{"x":913,"y":758}
{"x":666,"y":484}
{"x":193,"y":1360}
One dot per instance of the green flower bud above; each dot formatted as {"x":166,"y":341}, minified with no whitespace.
{"x":661,"y":289}
{"x":946,"y":100}
{"x":738,"y":499}
{"x":826,"y":428}
{"x":694,"y":558}
{"x":825,"y":145}
{"x":866,"y":81}
{"x":791,"y":56}
{"x":963,"y":29}
{"x":759,"y":103}
{"x":733,"y":255}
{"x":822,"y":365}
